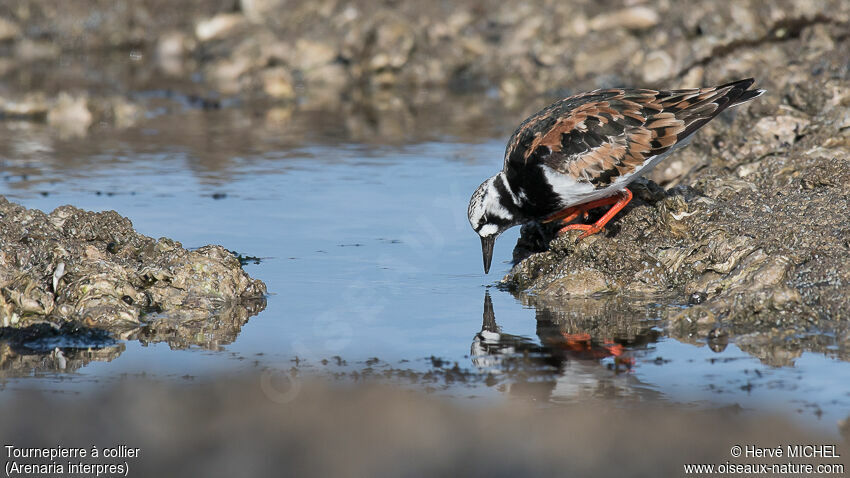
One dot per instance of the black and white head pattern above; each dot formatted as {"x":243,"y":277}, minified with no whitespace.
{"x":489,"y":212}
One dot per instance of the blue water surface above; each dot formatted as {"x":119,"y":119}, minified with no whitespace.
{"x":367,"y":253}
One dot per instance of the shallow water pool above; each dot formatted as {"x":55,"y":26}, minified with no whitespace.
{"x":373,"y":271}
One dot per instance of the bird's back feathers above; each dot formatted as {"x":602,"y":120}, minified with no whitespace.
{"x":602,"y":135}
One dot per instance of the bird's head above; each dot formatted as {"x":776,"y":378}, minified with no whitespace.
{"x":489,"y":217}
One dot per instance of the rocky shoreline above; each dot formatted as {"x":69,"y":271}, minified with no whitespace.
{"x":324,"y":53}
{"x":78,"y":279}
{"x":754,"y":239}
{"x":747,"y":226}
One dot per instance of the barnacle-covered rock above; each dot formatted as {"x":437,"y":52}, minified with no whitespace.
{"x":93,"y":269}
{"x":760,"y":234}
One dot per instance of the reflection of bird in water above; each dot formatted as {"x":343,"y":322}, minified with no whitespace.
{"x":565,"y":364}
{"x":490,"y":345}
{"x":582,"y":345}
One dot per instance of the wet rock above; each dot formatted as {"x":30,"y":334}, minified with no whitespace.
{"x":783,"y":129}
{"x":8,"y":30}
{"x":192,"y":327}
{"x":775,"y":339}
{"x":310,"y":54}
{"x":124,"y":113}
{"x":70,"y":115}
{"x":218,"y":26}
{"x":48,"y":347}
{"x":227,"y":73}
{"x":34,"y":50}
{"x":718,"y":339}
{"x":94,"y":269}
{"x":697,"y":298}
{"x":115,"y":110}
{"x":278,"y":83}
{"x":525,"y":49}
{"x":694,"y":78}
{"x":656,"y":66}
{"x":634,"y":18}
{"x":456,"y":22}
{"x":582,"y":283}
{"x":17,"y":361}
{"x":172,"y":50}
{"x":759,"y":235}
{"x":258,"y":11}
{"x":31,"y":106}
{"x":611,"y":50}
{"x":393,"y":43}
{"x":173,"y":44}
{"x":775,"y":349}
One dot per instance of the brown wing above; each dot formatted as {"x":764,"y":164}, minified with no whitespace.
{"x":599,"y":136}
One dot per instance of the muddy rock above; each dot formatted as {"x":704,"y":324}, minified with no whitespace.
{"x":75,"y":266}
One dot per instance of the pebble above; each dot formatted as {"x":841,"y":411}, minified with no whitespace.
{"x":634,"y":18}
{"x":218,"y":26}
{"x":8,"y":30}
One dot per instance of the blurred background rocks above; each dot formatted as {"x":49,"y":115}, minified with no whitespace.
{"x":95,"y":62}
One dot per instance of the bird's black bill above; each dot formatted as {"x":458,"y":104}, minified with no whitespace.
{"x":487,"y":251}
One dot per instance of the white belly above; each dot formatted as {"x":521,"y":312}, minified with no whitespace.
{"x":573,"y":193}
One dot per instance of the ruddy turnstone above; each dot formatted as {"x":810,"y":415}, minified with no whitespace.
{"x":581,"y":152}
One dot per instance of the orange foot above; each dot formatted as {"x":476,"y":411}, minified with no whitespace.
{"x":618,"y":200}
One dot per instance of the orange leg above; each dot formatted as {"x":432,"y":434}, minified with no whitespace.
{"x":572,"y":212}
{"x":618,"y":200}
{"x":564,"y":216}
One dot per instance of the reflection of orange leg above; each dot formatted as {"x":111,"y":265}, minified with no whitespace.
{"x":619,"y":200}
{"x":628,"y":362}
{"x":613,"y":348}
{"x":576,"y":341}
{"x":616,"y":350}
